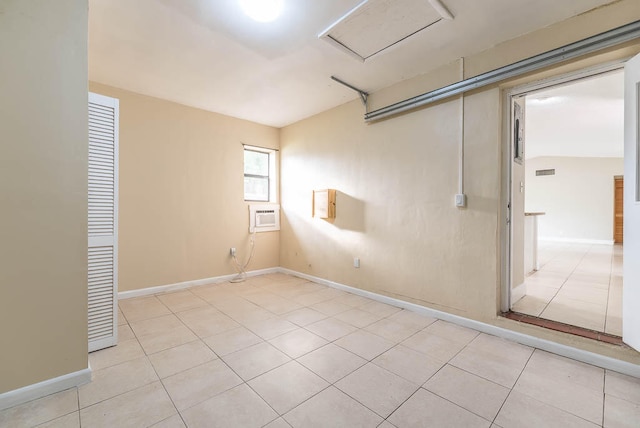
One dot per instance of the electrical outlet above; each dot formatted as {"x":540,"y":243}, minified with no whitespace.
{"x":232,"y":251}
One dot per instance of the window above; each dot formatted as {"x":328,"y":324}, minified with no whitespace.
{"x":259,"y":172}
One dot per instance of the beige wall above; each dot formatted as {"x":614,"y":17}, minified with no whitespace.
{"x":43,"y":190}
{"x":577,"y":200}
{"x":395,"y":207}
{"x":397,"y":179}
{"x":181,"y":189}
{"x":181,"y":192}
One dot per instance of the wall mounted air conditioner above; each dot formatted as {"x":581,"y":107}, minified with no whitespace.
{"x":264,"y":217}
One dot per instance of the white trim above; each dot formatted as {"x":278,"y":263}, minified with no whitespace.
{"x":518,"y":292}
{"x":44,"y":388}
{"x":112,"y":240}
{"x":562,"y":79}
{"x":187,"y":284}
{"x":274,"y":175}
{"x":81,"y":377}
{"x":324,"y":35}
{"x":605,"y":362}
{"x":505,"y":212}
{"x":504,"y":219}
{"x":576,"y":241}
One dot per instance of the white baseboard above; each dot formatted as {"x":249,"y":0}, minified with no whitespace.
{"x":61,"y":383}
{"x":42,"y":389}
{"x":187,"y":284}
{"x":525,"y":339}
{"x":546,"y":345}
{"x":576,"y":241}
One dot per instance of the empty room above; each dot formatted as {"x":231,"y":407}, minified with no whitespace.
{"x":305,"y":213}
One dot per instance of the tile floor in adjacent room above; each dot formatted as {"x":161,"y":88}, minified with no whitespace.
{"x":278,"y":351}
{"x":577,"y":284}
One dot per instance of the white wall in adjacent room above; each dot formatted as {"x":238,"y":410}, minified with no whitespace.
{"x":577,"y":200}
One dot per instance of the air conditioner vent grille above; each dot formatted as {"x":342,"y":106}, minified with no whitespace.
{"x":264,"y":217}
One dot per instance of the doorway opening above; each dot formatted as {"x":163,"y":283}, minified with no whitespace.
{"x":566,"y":160}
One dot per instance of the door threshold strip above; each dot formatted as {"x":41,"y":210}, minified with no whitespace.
{"x":565,"y":328}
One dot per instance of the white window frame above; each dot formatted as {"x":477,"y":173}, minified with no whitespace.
{"x":273,"y":172}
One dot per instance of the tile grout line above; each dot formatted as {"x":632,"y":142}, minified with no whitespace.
{"x":604,"y":395}
{"x":78,"y":399}
{"x":163,"y":385}
{"x":514,"y":385}
{"x":419,"y":386}
{"x":330,"y":384}
{"x":479,"y":376}
{"x":147,"y":355}
{"x":434,"y":374}
{"x":563,"y":283}
{"x":121,"y":393}
{"x":56,"y":417}
{"x":585,"y":254}
{"x":548,"y":404}
{"x":448,"y":363}
{"x":357,"y":329}
{"x":407,"y":399}
{"x":395,"y":344}
{"x":244,"y":382}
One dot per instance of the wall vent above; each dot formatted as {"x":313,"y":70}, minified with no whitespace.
{"x":264,"y":217}
{"x":545,"y":172}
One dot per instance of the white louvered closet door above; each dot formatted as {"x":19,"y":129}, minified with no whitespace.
{"x":103,"y":222}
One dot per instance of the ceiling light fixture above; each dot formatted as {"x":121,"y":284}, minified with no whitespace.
{"x":262,"y":10}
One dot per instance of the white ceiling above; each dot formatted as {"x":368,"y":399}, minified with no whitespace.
{"x":208,"y":54}
{"x":583,"y":119}
{"x":376,"y":25}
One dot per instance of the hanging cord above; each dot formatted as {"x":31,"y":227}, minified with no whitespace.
{"x":241,"y":268}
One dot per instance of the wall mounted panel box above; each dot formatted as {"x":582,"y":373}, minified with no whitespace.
{"x":264,"y":217}
{"x":324,"y":203}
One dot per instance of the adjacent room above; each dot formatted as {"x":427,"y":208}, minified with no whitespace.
{"x":309,"y":213}
{"x":574,"y":161}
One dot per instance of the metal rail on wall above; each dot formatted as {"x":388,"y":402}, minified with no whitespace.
{"x":591,"y":44}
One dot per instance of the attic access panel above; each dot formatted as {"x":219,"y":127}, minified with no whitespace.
{"x":376,"y":25}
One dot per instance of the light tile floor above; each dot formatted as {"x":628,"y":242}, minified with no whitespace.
{"x":577,"y":284}
{"x":278,"y":351}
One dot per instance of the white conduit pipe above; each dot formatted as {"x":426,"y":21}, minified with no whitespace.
{"x":461,"y":158}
